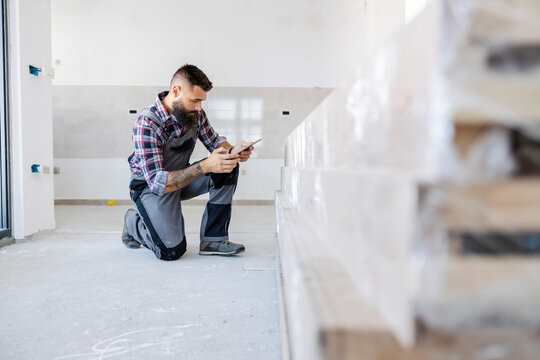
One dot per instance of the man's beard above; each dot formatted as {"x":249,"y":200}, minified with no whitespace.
{"x":186,"y":119}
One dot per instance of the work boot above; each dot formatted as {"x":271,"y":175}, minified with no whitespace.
{"x":223,"y":248}
{"x":127,"y":239}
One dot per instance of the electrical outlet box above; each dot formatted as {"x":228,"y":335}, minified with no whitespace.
{"x":56,"y":170}
{"x":46,"y":170}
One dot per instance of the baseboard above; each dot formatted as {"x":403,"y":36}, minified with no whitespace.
{"x":129,"y":202}
{"x":91,"y":202}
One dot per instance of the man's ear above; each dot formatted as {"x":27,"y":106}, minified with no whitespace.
{"x":176,"y":90}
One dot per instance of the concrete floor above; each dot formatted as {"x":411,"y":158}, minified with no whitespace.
{"x":78,"y":293}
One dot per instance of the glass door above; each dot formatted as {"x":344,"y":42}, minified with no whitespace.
{"x":5,"y":191}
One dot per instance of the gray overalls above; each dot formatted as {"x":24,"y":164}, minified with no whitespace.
{"x":159,"y":224}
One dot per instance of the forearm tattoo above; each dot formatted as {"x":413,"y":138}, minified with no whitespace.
{"x":181,"y":178}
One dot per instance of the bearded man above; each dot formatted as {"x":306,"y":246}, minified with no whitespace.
{"x":164,"y":136}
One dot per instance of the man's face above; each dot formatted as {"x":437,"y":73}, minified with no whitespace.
{"x":187,"y":103}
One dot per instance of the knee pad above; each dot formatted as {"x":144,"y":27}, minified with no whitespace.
{"x":174,"y":253}
{"x":231,"y":178}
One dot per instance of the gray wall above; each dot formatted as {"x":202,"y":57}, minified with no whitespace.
{"x":94,"y":121}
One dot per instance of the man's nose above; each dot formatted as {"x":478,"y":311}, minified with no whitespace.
{"x":198,"y":107}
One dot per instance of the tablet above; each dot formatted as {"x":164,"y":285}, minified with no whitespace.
{"x":247,"y":147}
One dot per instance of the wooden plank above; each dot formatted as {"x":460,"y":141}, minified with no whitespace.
{"x":466,"y":135}
{"x":486,"y":292}
{"x":433,"y":344}
{"x":510,"y":100}
{"x":489,"y":305}
{"x":507,"y":206}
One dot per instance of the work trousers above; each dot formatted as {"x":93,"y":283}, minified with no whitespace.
{"x":158,"y":223}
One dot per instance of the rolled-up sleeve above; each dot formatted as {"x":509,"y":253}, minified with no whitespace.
{"x":147,"y":151}
{"x":208,"y":136}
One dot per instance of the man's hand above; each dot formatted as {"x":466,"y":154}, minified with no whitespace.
{"x":220,"y":161}
{"x":244,"y":155}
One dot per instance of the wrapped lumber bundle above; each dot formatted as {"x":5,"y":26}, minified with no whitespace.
{"x":395,"y":186}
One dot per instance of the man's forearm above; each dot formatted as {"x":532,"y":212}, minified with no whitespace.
{"x":179,"y":179}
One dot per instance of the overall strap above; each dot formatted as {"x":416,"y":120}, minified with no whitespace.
{"x":152,"y":116}
{"x":149,"y":114}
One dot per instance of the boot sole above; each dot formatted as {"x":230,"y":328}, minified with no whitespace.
{"x":232,"y":253}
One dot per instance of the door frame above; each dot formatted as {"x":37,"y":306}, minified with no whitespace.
{"x":5,"y":160}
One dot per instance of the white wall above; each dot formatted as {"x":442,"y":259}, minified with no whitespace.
{"x":239,"y":43}
{"x":295,"y":43}
{"x":31,"y":116}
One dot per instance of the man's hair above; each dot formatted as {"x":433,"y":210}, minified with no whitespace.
{"x":193,"y":75}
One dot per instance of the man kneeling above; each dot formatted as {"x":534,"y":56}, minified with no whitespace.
{"x":164,"y":136}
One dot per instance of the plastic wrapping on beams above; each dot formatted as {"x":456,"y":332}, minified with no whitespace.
{"x":353,"y":168}
{"x":344,"y":208}
{"x":392,"y":115}
{"x":492,"y":60}
{"x":491,"y":153}
{"x":488,"y":159}
{"x":321,"y":298}
{"x":360,"y":170}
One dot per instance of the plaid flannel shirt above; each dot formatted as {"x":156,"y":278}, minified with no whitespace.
{"x":150,"y":138}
